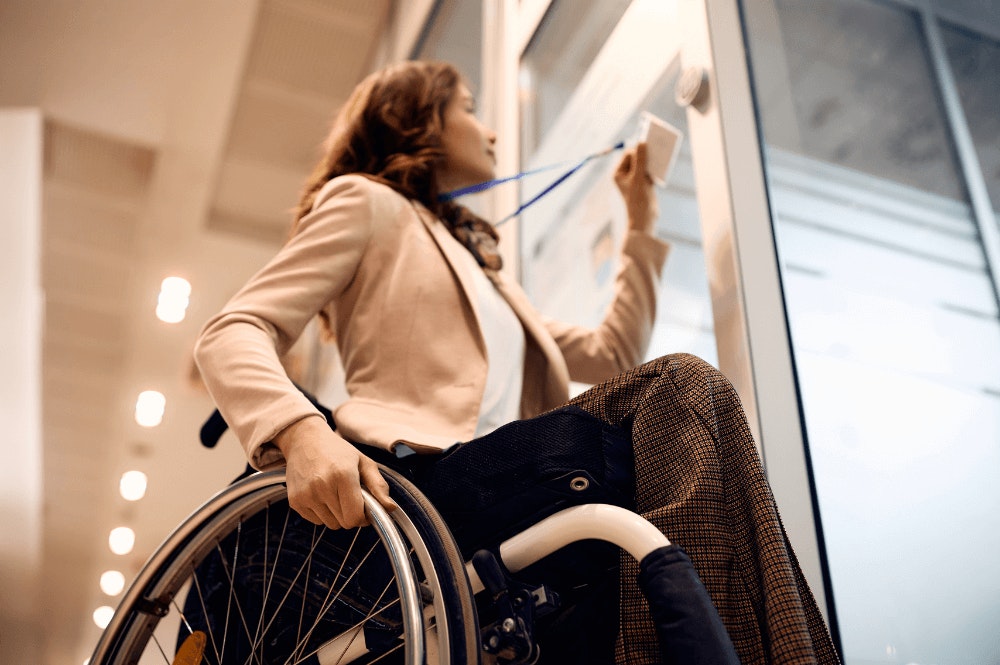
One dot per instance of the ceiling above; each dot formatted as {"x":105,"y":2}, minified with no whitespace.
{"x":176,"y":137}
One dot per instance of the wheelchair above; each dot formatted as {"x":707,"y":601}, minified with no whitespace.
{"x":223,"y":589}
{"x":245,"y":580}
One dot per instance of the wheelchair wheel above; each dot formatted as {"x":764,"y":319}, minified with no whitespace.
{"x":246,"y":580}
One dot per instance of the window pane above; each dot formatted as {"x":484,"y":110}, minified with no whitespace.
{"x":455,"y":36}
{"x":975,"y":63}
{"x":894,"y":325}
{"x":562,"y":49}
{"x":570,"y":240}
{"x":863,"y":93}
{"x":684,"y":316}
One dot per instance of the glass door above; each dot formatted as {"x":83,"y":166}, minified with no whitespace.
{"x":584,"y":73}
{"x":584,"y":84}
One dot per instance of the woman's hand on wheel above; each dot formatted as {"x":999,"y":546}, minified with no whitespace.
{"x":324,"y":474}
{"x":636,"y":188}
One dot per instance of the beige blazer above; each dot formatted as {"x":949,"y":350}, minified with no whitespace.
{"x":386,"y":271}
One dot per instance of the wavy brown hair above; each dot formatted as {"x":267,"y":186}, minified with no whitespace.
{"x":390,"y":130}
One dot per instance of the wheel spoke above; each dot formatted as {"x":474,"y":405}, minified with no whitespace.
{"x":354,"y":630}
{"x":233,"y":598}
{"x":329,"y":602}
{"x":235,"y":583}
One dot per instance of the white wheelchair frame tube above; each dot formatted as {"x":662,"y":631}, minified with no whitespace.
{"x":619,"y":526}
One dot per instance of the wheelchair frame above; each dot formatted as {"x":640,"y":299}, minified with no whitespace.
{"x":434,"y":587}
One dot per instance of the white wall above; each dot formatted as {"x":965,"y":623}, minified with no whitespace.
{"x":20,"y":389}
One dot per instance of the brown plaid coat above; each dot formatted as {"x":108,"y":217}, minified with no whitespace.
{"x":699,"y":479}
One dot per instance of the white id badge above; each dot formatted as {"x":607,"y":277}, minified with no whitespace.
{"x":663,"y":142}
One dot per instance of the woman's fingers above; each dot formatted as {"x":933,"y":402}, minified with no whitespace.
{"x":307,"y":514}
{"x":351,"y":505}
{"x":642,"y":163}
{"x":624,"y":171}
{"x":326,"y":517}
{"x":631,"y":174}
{"x":641,"y":152}
{"x":625,"y":164}
{"x":372,"y":479}
{"x":334,"y":503}
{"x":636,"y":188}
{"x":311,"y":497}
{"x":324,"y":474}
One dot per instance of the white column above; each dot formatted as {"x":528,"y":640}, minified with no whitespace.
{"x":20,"y":387}
{"x":499,"y":100}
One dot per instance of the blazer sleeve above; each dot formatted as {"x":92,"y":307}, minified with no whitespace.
{"x":619,"y":343}
{"x":238,"y":350}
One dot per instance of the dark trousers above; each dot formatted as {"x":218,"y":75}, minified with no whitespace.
{"x":497,"y":485}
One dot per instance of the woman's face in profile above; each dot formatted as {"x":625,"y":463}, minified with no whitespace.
{"x":468,"y":145}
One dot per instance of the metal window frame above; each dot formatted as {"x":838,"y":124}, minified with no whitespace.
{"x":968,"y":160}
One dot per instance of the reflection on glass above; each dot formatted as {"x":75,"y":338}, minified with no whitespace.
{"x":894,"y":325}
{"x":579,"y":102}
{"x":975,"y":64}
{"x":684,"y":320}
{"x":864,"y":95}
{"x":555,"y":61}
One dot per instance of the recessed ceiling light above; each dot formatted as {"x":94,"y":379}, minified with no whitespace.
{"x":121,"y":540}
{"x":102,"y":616}
{"x":172,"y":303}
{"x":112,"y":582}
{"x":132,"y":485}
{"x":149,"y":408}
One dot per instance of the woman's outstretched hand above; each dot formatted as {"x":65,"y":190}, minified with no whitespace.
{"x":636,"y":188}
{"x":324,"y":474}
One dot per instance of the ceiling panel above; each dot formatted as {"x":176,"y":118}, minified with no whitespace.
{"x":301,"y":46}
{"x":76,"y":216}
{"x":99,"y":163}
{"x":302,"y":122}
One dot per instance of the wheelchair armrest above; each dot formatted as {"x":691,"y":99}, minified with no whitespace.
{"x":590,"y":521}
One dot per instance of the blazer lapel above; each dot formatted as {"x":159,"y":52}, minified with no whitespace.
{"x":451,"y":249}
{"x":554,"y":388}
{"x":556,"y":377}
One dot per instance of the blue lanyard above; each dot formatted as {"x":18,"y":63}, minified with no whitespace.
{"x":483,"y":186}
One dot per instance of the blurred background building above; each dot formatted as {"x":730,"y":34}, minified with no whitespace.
{"x":836,"y":252}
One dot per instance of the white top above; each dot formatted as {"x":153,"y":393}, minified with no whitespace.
{"x":504,"y":337}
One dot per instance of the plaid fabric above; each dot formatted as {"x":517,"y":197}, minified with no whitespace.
{"x":699,"y":479}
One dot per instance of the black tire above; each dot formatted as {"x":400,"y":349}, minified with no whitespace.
{"x":265,"y":586}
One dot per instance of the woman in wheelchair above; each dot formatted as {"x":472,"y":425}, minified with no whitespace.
{"x":455,"y":380}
